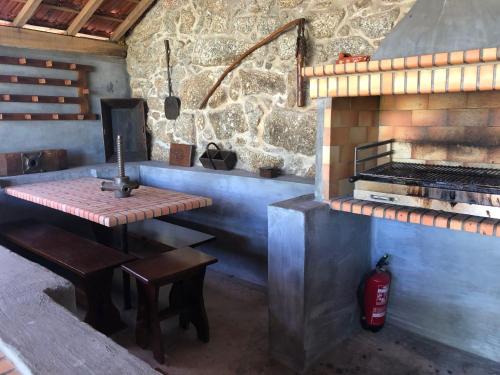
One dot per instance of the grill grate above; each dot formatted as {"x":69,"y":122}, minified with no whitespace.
{"x":479,"y":180}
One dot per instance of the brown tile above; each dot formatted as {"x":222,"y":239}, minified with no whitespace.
{"x":376,"y":84}
{"x":473,"y":56}
{"x":387,"y":83}
{"x":365,"y":103}
{"x":344,"y":118}
{"x":346,"y":153}
{"x":329,"y":69}
{"x":470,"y":78}
{"x":455,"y":79}
{"x":469,"y":154}
{"x":358,"y":135}
{"x":339,"y":68}
{"x":443,"y":220}
{"x":340,"y":136}
{"x":398,"y":63}
{"x":445,"y":134}
{"x":472,"y":224}
{"x":412,"y":82}
{"x":425,"y":81}
{"x":374,"y":66}
{"x":368,"y":209}
{"x":319,"y":70}
{"x":379,"y":211}
{"x":439,"y":80}
{"x":494,"y":155}
{"x":362,"y":67}
{"x":410,"y":133}
{"x":403,"y":214}
{"x":395,"y":118}
{"x":489,"y":54}
{"x":386,"y":64}
{"x":468,"y":117}
{"x":487,"y":227}
{"x":426,"y":61}
{"x":429,"y":152}
{"x":364,"y":85}
{"x":494,"y":117}
{"x":457,"y":222}
{"x":489,"y":136}
{"x":385,"y":132}
{"x":399,"y":82}
{"x":441,"y":59}
{"x":486,"y":77}
{"x":390,"y":213}
{"x":341,"y":103}
{"x":489,"y":99}
{"x":309,"y":71}
{"x":332,"y":86}
{"x":446,"y":101}
{"x":429,"y":217}
{"x":429,"y":117}
{"x":368,"y":118}
{"x":373,"y":134}
{"x":411,"y":62}
{"x":457,"y":57}
{"x":357,"y":207}
{"x":350,"y":68}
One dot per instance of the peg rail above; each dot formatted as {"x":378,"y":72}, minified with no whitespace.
{"x":46,"y":64}
{"x":38,"y":81}
{"x":41,"y":99}
{"x":47,"y":117}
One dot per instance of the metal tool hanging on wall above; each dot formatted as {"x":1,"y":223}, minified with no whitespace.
{"x":300,"y":56}
{"x":172,"y":103}
{"x":121,"y":185}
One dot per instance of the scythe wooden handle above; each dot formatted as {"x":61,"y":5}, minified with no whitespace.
{"x":283,"y":29}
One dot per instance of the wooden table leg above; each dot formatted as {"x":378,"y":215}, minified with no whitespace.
{"x":142,"y":325}
{"x":127,"y":297}
{"x":152,"y":292}
{"x":102,"y":314}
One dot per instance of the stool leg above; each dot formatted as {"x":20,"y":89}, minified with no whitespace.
{"x":177,"y":301}
{"x":198,"y":314}
{"x":152,"y":292}
{"x":142,"y":326}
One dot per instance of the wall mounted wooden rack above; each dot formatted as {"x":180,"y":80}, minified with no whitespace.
{"x":81,"y":83}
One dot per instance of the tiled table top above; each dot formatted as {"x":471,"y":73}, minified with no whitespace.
{"x":84,"y":198}
{"x":6,"y":366}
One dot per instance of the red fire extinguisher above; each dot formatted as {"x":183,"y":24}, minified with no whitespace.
{"x":373,"y":296}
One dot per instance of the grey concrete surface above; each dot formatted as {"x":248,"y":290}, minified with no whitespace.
{"x":239,"y":344}
{"x":47,"y":337}
{"x":238,"y":217}
{"x":83,"y":139}
{"x":433,"y":26}
{"x":314,"y":264}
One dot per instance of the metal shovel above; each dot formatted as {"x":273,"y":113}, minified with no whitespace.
{"x":172,"y":103}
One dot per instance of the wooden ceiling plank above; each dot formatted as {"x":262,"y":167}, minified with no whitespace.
{"x":31,"y":39}
{"x":131,"y":19}
{"x":26,"y":12}
{"x":82,"y":18}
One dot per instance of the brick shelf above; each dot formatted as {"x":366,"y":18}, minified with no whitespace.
{"x":431,"y":218}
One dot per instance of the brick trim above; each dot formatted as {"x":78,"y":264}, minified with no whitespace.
{"x":419,"y":216}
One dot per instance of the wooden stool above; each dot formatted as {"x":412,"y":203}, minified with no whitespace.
{"x":185,"y":269}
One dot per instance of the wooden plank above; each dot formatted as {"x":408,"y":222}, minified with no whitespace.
{"x":46,"y":64}
{"x":22,"y":80}
{"x":40,"y":99}
{"x":82,"y":17}
{"x":31,"y":39}
{"x":47,"y":117}
{"x":26,"y":13}
{"x":131,"y":19}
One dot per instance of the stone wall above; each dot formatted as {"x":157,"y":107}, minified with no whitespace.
{"x":254,"y":111}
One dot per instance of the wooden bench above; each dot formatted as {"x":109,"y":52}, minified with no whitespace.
{"x":87,"y":264}
{"x":185,"y":269}
{"x":153,"y":237}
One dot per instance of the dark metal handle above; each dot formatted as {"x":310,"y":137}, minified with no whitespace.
{"x":210,"y":156}
{"x":167,"y":50}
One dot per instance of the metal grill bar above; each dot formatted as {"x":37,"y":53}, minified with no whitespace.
{"x":480,"y":180}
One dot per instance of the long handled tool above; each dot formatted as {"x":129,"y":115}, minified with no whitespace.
{"x":301,"y":53}
{"x":172,"y":103}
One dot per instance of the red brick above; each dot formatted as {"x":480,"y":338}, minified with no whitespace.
{"x":6,"y":366}
{"x":347,"y":205}
{"x":379,"y":211}
{"x":429,"y":217}
{"x":390,"y":213}
{"x":497,"y":230}
{"x":472,"y":56}
{"x":395,"y":118}
{"x":426,"y":61}
{"x":367,"y":118}
{"x":431,"y":117}
{"x":368,"y":209}
{"x":403,"y":214}
{"x":457,"y":222}
{"x":416,"y":216}
{"x":410,"y":101}
{"x":443,"y":220}
{"x":472,"y":224}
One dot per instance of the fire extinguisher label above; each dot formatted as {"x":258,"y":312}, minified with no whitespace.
{"x":382,"y":293}
{"x":378,"y":312}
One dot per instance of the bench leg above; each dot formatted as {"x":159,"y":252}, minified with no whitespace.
{"x":152,"y":294}
{"x":102,"y":314}
{"x":196,"y":303}
{"x":142,"y":327}
{"x":177,"y":301}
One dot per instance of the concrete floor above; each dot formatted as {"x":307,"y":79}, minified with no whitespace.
{"x":238,"y":316}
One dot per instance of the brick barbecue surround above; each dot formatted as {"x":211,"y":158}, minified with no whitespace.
{"x":439,"y":108}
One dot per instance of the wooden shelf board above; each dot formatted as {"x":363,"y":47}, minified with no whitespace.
{"x":38,"y":81}
{"x":47,"y":117}
{"x":47,"y":64}
{"x":40,"y":99}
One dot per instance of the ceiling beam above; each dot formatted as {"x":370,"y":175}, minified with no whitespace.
{"x":24,"y":38}
{"x":27,"y":11}
{"x":131,"y":19}
{"x":82,"y":17}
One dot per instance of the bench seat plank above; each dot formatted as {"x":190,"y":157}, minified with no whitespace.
{"x":67,"y":250}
